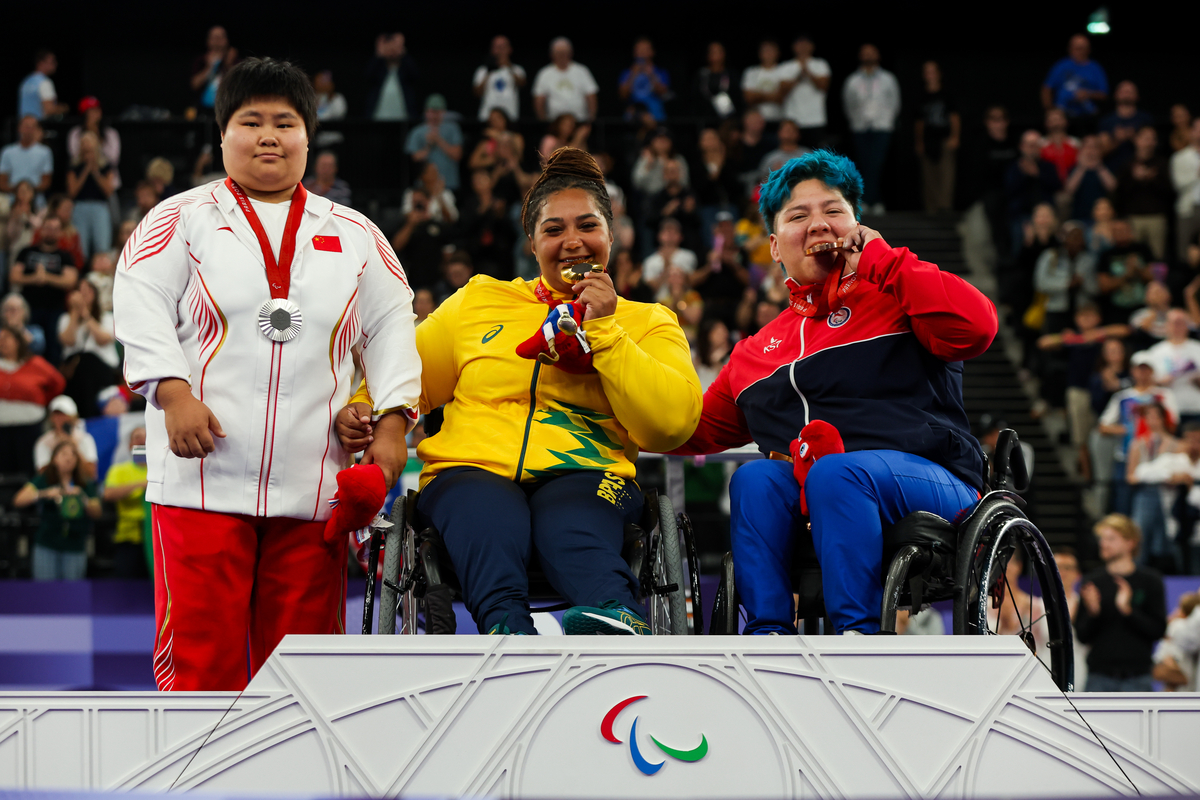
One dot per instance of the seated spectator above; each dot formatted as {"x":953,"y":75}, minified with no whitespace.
{"x":90,"y":183}
{"x":1090,"y":181}
{"x":65,"y":425}
{"x":486,"y":228}
{"x":422,"y":237}
{"x":67,"y":503}
{"x":498,"y":82}
{"x":325,"y":181}
{"x":677,"y":294}
{"x":27,"y":159}
{"x":14,"y":313}
{"x":1100,"y":231}
{"x":511,"y":180}
{"x":456,"y":271}
{"x":789,"y":148}
{"x":390,"y":80}
{"x":1175,"y":657}
{"x":1068,"y":569}
{"x":806,"y":87}
{"x":1118,"y":129}
{"x":713,"y":348}
{"x":1121,"y":418}
{"x":1144,"y":194}
{"x":624,"y":229}
{"x":669,"y":252}
{"x":124,"y":231}
{"x":1030,"y":182}
{"x":644,"y":82}
{"x":1151,"y":440}
{"x":1058,"y":148}
{"x":564,"y":86}
{"x":627,"y":278}
{"x":104,"y":269}
{"x":44,"y":274}
{"x":1066,"y":276}
{"x":725,"y":274}
{"x":674,"y":201}
{"x":749,"y":147}
{"x":564,"y":131}
{"x":27,"y":386}
{"x":648,"y":175}
{"x":763,"y":85}
{"x":125,"y":486}
{"x":23,"y":220}
{"x":146,"y":198}
{"x":331,"y":104}
{"x":718,"y":92}
{"x":756,"y":310}
{"x":1181,"y":127}
{"x":437,"y":141}
{"x":161,"y":173}
{"x":89,"y":344}
{"x":1122,"y":271}
{"x":206,"y":171}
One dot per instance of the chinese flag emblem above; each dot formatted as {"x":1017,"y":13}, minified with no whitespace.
{"x":330,"y":244}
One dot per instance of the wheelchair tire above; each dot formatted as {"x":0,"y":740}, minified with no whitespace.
{"x":988,"y":539}
{"x":725,"y":604}
{"x":668,"y":570}
{"x":393,"y":555}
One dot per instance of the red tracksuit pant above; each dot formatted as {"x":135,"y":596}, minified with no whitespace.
{"x":228,"y":584}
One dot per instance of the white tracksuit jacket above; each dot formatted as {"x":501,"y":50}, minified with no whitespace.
{"x":188,"y":289}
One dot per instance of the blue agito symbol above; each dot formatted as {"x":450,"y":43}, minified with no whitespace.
{"x":487,"y":337}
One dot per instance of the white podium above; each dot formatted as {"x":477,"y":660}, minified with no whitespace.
{"x":615,"y":717}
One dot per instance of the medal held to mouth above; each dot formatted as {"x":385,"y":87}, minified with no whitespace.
{"x":825,"y":247}
{"x":574,"y":273}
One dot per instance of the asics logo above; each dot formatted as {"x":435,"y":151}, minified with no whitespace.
{"x":487,"y":337}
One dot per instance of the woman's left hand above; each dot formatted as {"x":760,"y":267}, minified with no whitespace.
{"x":598,"y":296}
{"x":858,"y":239}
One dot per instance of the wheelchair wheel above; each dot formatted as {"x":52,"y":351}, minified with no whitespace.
{"x":725,"y":604}
{"x":393,"y":551}
{"x":668,"y":610}
{"x":986,"y":603}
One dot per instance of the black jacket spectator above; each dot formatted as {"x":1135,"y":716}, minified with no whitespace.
{"x":1123,"y":645}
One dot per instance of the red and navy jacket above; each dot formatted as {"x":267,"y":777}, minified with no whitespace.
{"x":885,"y":369}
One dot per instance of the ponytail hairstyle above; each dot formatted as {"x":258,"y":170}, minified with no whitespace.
{"x":567,"y":168}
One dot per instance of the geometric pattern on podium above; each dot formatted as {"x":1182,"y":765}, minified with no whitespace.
{"x":604,"y":717}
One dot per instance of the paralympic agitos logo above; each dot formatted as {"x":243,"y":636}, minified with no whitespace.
{"x":606,"y":730}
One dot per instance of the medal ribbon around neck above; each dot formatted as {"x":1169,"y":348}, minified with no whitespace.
{"x":837,"y":288}
{"x":279,"y":318}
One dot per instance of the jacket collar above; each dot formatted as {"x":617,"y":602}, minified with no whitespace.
{"x":317,"y":210}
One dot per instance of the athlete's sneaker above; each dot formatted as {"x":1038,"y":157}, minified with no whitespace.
{"x":611,"y":619}
{"x":501,"y":629}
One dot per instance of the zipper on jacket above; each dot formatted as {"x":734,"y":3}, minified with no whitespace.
{"x":537,"y":368}
{"x":792,"y":371}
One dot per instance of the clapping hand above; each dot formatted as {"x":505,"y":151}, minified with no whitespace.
{"x":1091,"y":598}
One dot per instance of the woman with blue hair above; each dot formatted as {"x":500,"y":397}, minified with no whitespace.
{"x":866,"y":367}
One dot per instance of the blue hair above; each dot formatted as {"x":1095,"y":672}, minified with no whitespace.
{"x":835,"y":171}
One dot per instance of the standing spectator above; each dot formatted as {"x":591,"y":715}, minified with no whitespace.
{"x":37,"y":96}
{"x":805,"y":89}
{"x":1177,"y":364}
{"x":110,"y":140}
{"x":1030,"y":182}
{"x":89,"y":348}
{"x":564,"y":86}
{"x":23,"y":219}
{"x":486,"y":228}
{"x":871,"y":97}
{"x":564,"y":131}
{"x":1122,"y":272}
{"x":751,"y":145}
{"x":44,"y":274}
{"x":789,"y":148}
{"x":717,"y":87}
{"x":14,"y":313}
{"x":1144,"y":194}
{"x":644,"y":82}
{"x":325,"y":181}
{"x":1121,"y":417}
{"x":208,"y":69}
{"x":1059,"y":148}
{"x":437,"y":141}
{"x":715,"y":181}
{"x":762,"y":86}
{"x":1151,"y":441}
{"x":1118,"y":129}
{"x":125,"y":486}
{"x":90,"y":184}
{"x":1181,"y":128}
{"x":1090,"y":181}
{"x":1066,"y":276}
{"x":1123,"y":612}
{"x":67,"y":504}
{"x":27,"y":159}
{"x":499,"y":82}
{"x":989,"y":165}
{"x":936,"y":135}
{"x":391,"y":74}
{"x":497,"y":153}
{"x":713,"y":347}
{"x":456,"y":272}
{"x":669,"y":253}
{"x":27,"y":385}
{"x":1076,"y":84}
{"x":1185,"y":175}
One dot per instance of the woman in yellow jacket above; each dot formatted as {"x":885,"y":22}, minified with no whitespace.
{"x":531,"y":457}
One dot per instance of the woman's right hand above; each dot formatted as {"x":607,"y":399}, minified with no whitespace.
{"x":190,"y":425}
{"x":52,"y":493}
{"x":353,"y":427}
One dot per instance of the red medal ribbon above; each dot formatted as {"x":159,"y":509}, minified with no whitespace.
{"x":279,"y":273}
{"x":836,"y":289}
{"x":545,"y":296}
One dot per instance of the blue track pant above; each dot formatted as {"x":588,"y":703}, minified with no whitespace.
{"x":851,"y":497}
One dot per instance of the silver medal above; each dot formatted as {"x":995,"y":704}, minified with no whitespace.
{"x":279,"y":319}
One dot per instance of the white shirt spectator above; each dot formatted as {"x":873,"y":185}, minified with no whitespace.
{"x":655,"y":264}
{"x":566,"y":90}
{"x":1185,"y":174}
{"x":43,"y":448}
{"x":1182,"y":361}
{"x":501,"y":90}
{"x":805,"y":103}
{"x":86,"y":343}
{"x":872,"y":100}
{"x":767,"y":79}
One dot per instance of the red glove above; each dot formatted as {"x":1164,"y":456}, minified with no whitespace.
{"x":561,"y":341}
{"x":818,"y":438}
{"x":360,"y":495}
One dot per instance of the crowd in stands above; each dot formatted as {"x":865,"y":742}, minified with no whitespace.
{"x":1094,"y":220}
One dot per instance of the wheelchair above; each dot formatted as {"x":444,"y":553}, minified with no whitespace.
{"x":419,"y":585}
{"x":931,"y":559}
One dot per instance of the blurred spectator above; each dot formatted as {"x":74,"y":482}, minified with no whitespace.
{"x":669,"y":253}
{"x":161,"y":173}
{"x":37,"y":96}
{"x":325,"y":181}
{"x":804,"y":88}
{"x":497,"y":152}
{"x":1100,"y":232}
{"x":624,"y":229}
{"x":1020,"y":611}
{"x":755,"y":311}
{"x":676,"y":201}
{"x":14,"y":313}
{"x":1076,"y":84}
{"x":1089,"y":181}
{"x":1066,"y":276}
{"x":648,"y":175}
{"x":1068,"y":569}
{"x":63,"y":207}
{"x":1030,"y":181}
{"x":420,"y":240}
{"x":27,"y":159}
{"x":437,"y":141}
{"x":989,"y":165}
{"x":762,"y":85}
{"x":124,"y":231}
{"x":1185,"y":175}
{"x":1118,"y":128}
{"x":1181,"y":128}
{"x":423,"y":304}
{"x":104,"y":268}
{"x":564,"y":86}
{"x":750,"y":147}
{"x":715,"y":181}
{"x":677,"y":294}
{"x":1151,"y":440}
{"x":65,"y":425}
{"x":871,"y":97}
{"x":1175,"y":658}
{"x":44,"y":274}
{"x":1058,"y":148}
{"x":627,"y":279}
{"x":927,"y":622}
{"x":331,"y":107}
{"x":724,"y":275}
{"x":28,"y":384}
{"x":644,"y":82}
{"x":1121,"y":417}
{"x":110,"y":140}
{"x":90,"y":185}
{"x":936,"y":135}
{"x":23,"y":220}
{"x":89,"y":349}
{"x":1123,"y":612}
{"x":564,"y":131}
{"x":1181,"y":470}
{"x":752,"y":237}
{"x":1123,"y":271}
{"x":1016,"y":278}
{"x":717,"y":87}
{"x":208,"y":69}
{"x":487,"y":229}
{"x":67,"y":503}
{"x":713,"y":348}
{"x":1144,"y":193}
{"x":1110,"y":375}
{"x":1177,"y":364}
{"x":441,"y":204}
{"x":499,"y":81}
{"x":455,"y":273}
{"x":145,"y":199}
{"x":789,"y":148}
{"x":391,"y":76}
{"x":1149,"y":324}
{"x":125,"y":486}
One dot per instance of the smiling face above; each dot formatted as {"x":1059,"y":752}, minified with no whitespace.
{"x":569,"y":229}
{"x":815,"y":213}
{"x":265,"y":147}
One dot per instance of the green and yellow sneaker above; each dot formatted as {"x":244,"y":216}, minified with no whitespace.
{"x":611,"y":619}
{"x":501,"y":629}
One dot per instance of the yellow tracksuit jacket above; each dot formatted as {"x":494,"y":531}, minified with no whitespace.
{"x":528,"y":421}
